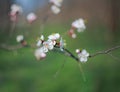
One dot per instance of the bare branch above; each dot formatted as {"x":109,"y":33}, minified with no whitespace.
{"x":15,"y":47}
{"x":10,"y":48}
{"x":114,"y":57}
{"x":105,"y":52}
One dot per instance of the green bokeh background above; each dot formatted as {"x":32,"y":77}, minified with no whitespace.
{"x":21,"y":72}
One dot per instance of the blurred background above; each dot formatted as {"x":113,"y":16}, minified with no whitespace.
{"x":21,"y":72}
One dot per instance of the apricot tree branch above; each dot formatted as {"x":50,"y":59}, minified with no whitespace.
{"x":104,"y":52}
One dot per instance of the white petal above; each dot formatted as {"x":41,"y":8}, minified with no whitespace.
{"x":45,"y":49}
{"x":51,"y":47}
{"x":39,"y":43}
{"x":57,"y":36}
{"x":85,"y":59}
{"x":84,"y":52}
{"x":42,"y":37}
{"x":51,"y":37}
{"x":87,"y":54}
{"x":39,"y":54}
{"x":82,"y":59}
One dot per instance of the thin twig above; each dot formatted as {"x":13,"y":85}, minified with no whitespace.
{"x":105,"y":52}
{"x":15,"y":47}
{"x":68,"y":53}
{"x":60,"y":68}
{"x":82,"y":72}
{"x":10,"y":48}
{"x":114,"y":57}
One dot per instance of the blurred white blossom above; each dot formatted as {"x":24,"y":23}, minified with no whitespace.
{"x":82,"y":55}
{"x":31,"y":17}
{"x":79,"y":24}
{"x":39,"y":54}
{"x":40,"y":40}
{"x":56,"y":2}
{"x":55,"y":9}
{"x":15,"y":9}
{"x":77,"y":51}
{"x":72,"y":33}
{"x":20,"y":38}
{"x":55,"y":36}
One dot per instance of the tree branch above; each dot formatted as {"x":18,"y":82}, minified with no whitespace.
{"x":70,"y":54}
{"x":105,"y":52}
{"x":10,"y":48}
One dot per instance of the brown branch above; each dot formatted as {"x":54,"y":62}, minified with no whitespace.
{"x":70,"y":54}
{"x":105,"y":52}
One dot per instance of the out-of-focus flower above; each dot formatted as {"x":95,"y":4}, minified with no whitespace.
{"x":77,"y":51}
{"x":56,"y":2}
{"x":39,"y":54}
{"x":79,"y":24}
{"x":31,"y":17}
{"x":40,"y":40}
{"x":82,"y":55}
{"x":20,"y":38}
{"x":15,"y":10}
{"x":72,"y":33}
{"x":55,"y":9}
{"x":55,"y":36}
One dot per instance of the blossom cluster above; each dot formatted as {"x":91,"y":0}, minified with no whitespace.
{"x":54,"y":40}
{"x":78,"y":24}
{"x":17,"y":9}
{"x":56,"y":4}
{"x":45,"y":46}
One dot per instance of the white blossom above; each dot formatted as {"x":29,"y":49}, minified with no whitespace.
{"x":39,"y":54}
{"x":54,"y":36}
{"x":39,"y":42}
{"x":83,"y":55}
{"x":77,"y":51}
{"x":48,"y":45}
{"x":56,"y":2}
{"x":42,"y":37}
{"x":79,"y":24}
{"x":55,"y":9}
{"x":31,"y":17}
{"x":15,"y":9}
{"x":74,"y":35}
{"x":19,"y":38}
